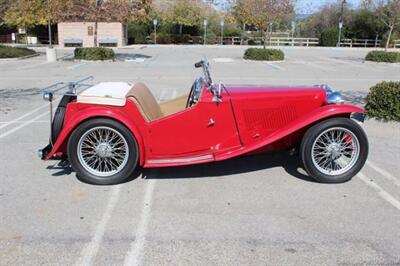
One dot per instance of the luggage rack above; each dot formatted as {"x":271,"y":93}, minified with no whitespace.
{"x":48,"y":95}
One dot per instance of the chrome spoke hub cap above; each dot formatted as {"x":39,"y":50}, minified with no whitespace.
{"x":103,"y":151}
{"x":335,"y":151}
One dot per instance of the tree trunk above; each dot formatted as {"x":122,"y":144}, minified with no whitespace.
{"x":95,"y":33}
{"x":263,"y":37}
{"x":242,"y":37}
{"x":180,"y":29}
{"x":389,"y":37}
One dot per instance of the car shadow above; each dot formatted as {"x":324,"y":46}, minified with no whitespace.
{"x":243,"y":164}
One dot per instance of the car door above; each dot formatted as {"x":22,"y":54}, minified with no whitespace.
{"x":204,"y":128}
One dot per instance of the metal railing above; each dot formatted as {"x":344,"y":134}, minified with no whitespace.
{"x":360,"y":43}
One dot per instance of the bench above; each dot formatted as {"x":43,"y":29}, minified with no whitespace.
{"x":73,"y":42}
{"x":108,"y":42}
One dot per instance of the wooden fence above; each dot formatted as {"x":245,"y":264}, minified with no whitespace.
{"x":360,"y":43}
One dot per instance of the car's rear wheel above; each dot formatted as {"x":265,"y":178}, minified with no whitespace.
{"x":334,"y":150}
{"x":103,"y":151}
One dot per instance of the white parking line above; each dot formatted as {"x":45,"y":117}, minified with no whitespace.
{"x":162,"y":94}
{"x":276,"y":67}
{"x":381,"y":192}
{"x":32,"y":66}
{"x":76,"y":66}
{"x":90,"y":250}
{"x":23,"y":121}
{"x":385,"y":174}
{"x":23,"y":116}
{"x":22,"y":125}
{"x":174,"y":93}
{"x":134,"y":256}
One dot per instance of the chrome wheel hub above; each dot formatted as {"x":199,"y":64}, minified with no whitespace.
{"x":103,"y":151}
{"x":335,"y":151}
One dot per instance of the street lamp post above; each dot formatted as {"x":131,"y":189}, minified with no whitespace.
{"x":293,"y":29}
{"x":341,"y":23}
{"x":222,"y":23}
{"x":155,"y":23}
{"x":205,"y":23}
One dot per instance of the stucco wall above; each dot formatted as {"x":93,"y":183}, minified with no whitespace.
{"x":80,"y":30}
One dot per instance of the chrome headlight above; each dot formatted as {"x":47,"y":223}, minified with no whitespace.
{"x":47,"y":96}
{"x":334,"y":98}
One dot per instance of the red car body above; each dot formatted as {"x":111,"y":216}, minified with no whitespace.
{"x":249,"y":119}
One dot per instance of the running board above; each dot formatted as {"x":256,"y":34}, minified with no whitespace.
{"x":179,"y":161}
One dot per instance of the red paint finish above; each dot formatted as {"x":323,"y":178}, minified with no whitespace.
{"x":249,"y":119}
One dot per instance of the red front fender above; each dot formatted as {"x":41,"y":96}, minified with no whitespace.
{"x":78,"y":113}
{"x":302,"y":122}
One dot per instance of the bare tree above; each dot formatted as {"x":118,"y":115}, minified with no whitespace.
{"x":389,"y":11}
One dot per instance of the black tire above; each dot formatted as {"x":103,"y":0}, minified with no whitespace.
{"x":58,"y":122}
{"x":313,"y":133}
{"x":88,"y":177}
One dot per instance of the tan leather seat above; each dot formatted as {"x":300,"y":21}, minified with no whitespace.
{"x":148,"y":106}
{"x":145,"y":101}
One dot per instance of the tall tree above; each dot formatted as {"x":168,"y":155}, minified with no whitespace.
{"x":389,"y":11}
{"x":4,"y":5}
{"x":260,"y":12}
{"x":184,"y":13}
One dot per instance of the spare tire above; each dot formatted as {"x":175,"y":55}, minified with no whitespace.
{"x":58,"y":122}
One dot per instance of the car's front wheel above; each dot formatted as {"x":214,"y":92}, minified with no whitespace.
{"x":103,"y":151}
{"x":334,"y":150}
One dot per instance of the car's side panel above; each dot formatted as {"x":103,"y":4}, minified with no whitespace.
{"x":300,"y":123}
{"x":202,"y":129}
{"x":78,"y":113}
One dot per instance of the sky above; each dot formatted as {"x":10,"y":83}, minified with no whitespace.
{"x":308,"y":6}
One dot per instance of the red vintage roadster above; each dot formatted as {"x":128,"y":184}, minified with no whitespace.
{"x":109,"y":129}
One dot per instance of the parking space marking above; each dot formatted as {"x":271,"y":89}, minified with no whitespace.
{"x":134,"y":256}
{"x":76,"y":66}
{"x":381,"y":192}
{"x":162,"y":94}
{"x":314,"y":65}
{"x":22,"y":121}
{"x":276,"y":67}
{"x":174,"y":93}
{"x":90,"y":250}
{"x":386,"y":174}
{"x":32,"y":66}
{"x":23,"y":125}
{"x":23,"y":116}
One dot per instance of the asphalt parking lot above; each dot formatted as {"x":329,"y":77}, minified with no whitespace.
{"x":258,"y":210}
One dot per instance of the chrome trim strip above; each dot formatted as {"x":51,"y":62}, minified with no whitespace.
{"x":181,"y":160}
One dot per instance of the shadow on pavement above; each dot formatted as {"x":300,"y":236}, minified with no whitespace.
{"x":239,"y":165}
{"x":244,"y":164}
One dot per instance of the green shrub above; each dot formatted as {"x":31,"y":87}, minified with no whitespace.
{"x":264,"y":54}
{"x":94,"y":54}
{"x":329,"y":37}
{"x":12,"y":52}
{"x":382,"y":56}
{"x":162,"y":38}
{"x":383,"y":101}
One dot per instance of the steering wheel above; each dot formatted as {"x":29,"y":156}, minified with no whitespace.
{"x":194,"y":92}
{"x":190,"y":99}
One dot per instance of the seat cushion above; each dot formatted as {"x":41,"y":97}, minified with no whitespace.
{"x":145,"y":101}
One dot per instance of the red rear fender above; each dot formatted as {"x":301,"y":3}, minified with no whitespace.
{"x":78,"y":113}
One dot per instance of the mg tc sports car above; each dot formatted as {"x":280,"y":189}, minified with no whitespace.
{"x":109,"y":129}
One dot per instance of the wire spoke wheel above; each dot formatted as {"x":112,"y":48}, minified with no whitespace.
{"x":335,"y":151}
{"x":103,"y":151}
